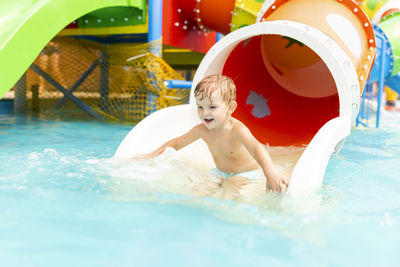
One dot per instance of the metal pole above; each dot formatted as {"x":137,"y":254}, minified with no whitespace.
{"x":381,"y":80}
{"x":155,"y":43}
{"x":20,"y":95}
{"x":104,"y":73}
{"x":35,"y":98}
{"x":155,"y":27}
{"x":219,"y":36}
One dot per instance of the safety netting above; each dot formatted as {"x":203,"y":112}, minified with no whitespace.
{"x":85,"y":79}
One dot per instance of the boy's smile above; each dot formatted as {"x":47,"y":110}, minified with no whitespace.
{"x":212,"y":112}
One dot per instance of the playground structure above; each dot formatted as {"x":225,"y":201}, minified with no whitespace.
{"x":306,"y":68}
{"x":105,"y":57}
{"x":385,"y":15}
{"x":299,"y":69}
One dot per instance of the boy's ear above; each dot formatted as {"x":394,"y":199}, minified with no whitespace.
{"x":232,"y":106}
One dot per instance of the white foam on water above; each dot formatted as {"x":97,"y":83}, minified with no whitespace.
{"x":172,"y":172}
{"x":171,"y":179}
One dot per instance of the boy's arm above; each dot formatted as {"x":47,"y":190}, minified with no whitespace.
{"x":176,"y":143}
{"x":261,"y":155}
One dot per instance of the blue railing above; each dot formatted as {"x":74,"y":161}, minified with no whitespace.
{"x":381,"y":71}
{"x":178,"y":84}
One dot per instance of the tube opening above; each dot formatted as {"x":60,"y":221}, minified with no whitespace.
{"x":285,"y":92}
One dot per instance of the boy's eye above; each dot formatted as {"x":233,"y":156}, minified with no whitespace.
{"x":213,"y":107}
{"x":199,"y":107}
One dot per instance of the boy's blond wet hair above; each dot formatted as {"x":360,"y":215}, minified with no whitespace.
{"x":220,"y":83}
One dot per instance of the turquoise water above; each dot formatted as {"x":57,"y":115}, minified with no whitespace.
{"x":64,"y":203}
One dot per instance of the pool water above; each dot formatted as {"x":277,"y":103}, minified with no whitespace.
{"x":65,"y":202}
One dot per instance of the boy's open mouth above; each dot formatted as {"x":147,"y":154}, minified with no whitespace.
{"x":208,"y":120}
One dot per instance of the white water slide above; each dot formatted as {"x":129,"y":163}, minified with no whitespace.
{"x":299,"y":71}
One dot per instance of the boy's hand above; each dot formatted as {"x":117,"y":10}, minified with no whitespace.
{"x":276,"y":182}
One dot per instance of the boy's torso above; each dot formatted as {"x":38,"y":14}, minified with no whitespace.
{"x":228,"y":153}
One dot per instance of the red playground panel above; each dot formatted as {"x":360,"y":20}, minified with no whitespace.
{"x":180,"y":28}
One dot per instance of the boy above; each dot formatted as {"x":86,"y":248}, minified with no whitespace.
{"x":237,"y":154}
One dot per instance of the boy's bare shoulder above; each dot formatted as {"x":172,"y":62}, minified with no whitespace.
{"x":238,"y":125}
{"x":200,"y":128}
{"x":240,"y":130}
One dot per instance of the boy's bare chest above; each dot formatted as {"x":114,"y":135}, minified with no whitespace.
{"x":225,"y":145}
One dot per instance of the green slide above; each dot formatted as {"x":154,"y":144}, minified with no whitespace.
{"x":28,"y":25}
{"x":390,"y":26}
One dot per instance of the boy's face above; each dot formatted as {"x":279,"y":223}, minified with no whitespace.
{"x":213,"y":111}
